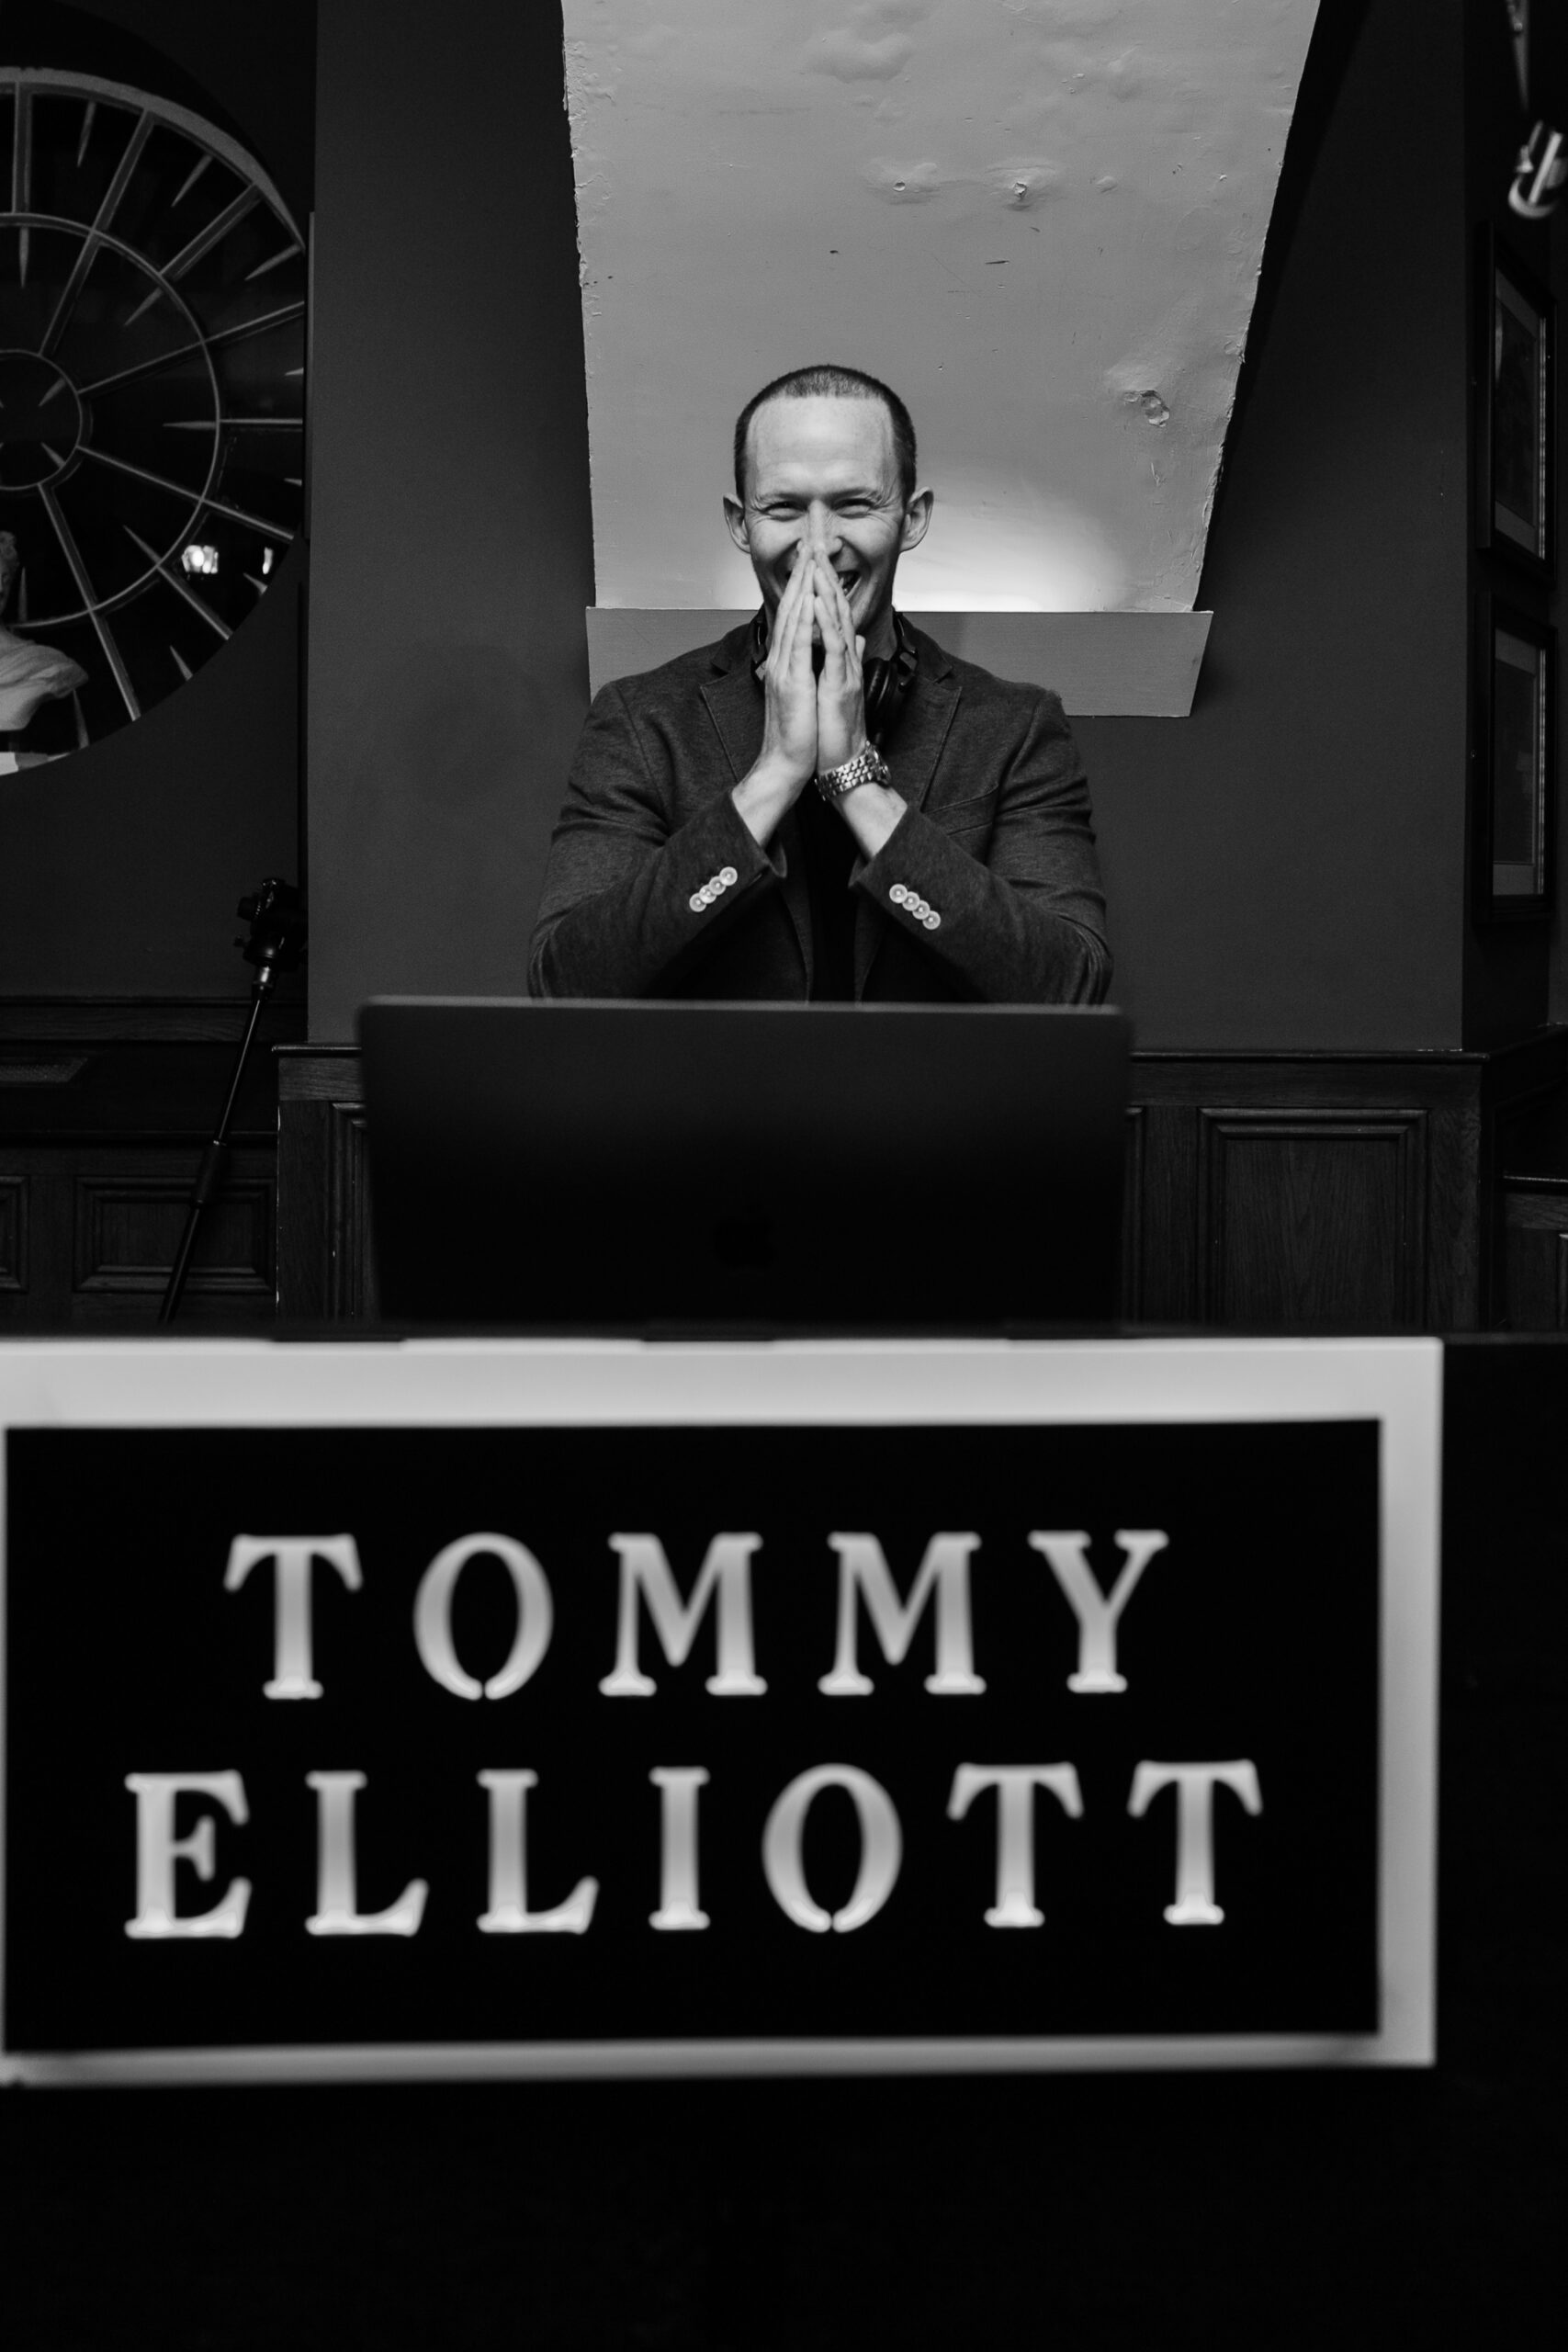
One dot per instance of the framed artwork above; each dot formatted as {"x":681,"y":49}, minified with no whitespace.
{"x":1516,"y":756}
{"x":1517,"y":471}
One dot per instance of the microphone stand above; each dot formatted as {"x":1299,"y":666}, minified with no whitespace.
{"x":276,"y":944}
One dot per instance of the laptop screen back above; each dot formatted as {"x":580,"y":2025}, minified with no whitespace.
{"x":780,"y":1168}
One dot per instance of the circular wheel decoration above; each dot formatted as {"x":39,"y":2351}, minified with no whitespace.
{"x":152,"y":390}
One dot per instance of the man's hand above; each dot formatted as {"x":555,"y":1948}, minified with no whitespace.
{"x":789,"y":759}
{"x":871,"y":810}
{"x":840,"y":690}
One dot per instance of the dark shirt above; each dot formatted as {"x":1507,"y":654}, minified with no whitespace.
{"x":828,"y":845}
{"x":829,"y":854}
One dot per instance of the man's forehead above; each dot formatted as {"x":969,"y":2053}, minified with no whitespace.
{"x":824,"y":440}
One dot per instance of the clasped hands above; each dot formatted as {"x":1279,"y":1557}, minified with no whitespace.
{"x":813,"y":720}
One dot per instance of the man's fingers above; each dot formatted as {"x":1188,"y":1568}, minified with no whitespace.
{"x":786,"y":620}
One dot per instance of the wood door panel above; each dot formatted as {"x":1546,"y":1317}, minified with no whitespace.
{"x":128,"y":1227}
{"x":1313,"y":1220}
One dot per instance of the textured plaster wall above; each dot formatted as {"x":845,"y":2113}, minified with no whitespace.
{"x":1040,"y":219}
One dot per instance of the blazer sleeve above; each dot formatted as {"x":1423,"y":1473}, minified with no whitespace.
{"x":1013,"y":885}
{"x":631,"y":902}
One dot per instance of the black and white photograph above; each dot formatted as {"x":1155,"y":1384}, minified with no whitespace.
{"x":784,"y":1175}
{"x":1517,"y":695}
{"x":1519,"y":438}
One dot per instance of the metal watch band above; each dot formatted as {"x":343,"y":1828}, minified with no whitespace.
{"x":868,"y":766}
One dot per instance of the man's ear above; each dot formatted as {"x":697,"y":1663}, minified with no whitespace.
{"x":735,"y":523}
{"x":917,"y":519}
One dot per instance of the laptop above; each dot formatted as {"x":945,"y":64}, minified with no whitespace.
{"x":778,"y":1168}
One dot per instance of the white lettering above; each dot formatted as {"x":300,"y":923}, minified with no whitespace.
{"x":433,"y":1616}
{"x":1195,"y":1906}
{"x":678,"y":1904}
{"x":1096,"y":1612}
{"x":337,"y":1911}
{"x":863,"y":1571}
{"x":158,"y":1849}
{"x":291,"y":1674}
{"x":1015,"y":1785}
{"x":509,"y":1913}
{"x":645,"y":1570}
{"x":882,"y":1849}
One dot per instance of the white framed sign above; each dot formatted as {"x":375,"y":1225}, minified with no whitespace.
{"x":509,"y":1709}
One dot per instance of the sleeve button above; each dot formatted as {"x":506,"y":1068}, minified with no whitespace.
{"x":728,"y":874}
{"x":898,"y":894}
{"x":696,"y":902}
{"x":930,"y":919}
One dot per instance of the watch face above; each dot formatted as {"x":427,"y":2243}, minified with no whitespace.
{"x":153,"y":303}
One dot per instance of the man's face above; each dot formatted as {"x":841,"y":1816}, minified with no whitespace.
{"x":822,"y":472}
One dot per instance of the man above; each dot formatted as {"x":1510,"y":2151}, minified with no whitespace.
{"x":824,"y":804}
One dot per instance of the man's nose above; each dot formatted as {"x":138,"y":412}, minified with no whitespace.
{"x":822,"y":530}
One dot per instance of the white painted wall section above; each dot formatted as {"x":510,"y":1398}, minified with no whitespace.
{"x":1042,"y":220}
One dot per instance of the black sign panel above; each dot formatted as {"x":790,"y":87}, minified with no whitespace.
{"x":1141,"y":1799}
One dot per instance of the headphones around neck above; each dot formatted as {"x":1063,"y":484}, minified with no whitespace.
{"x":885,"y":679}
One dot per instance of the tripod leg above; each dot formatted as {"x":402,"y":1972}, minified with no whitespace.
{"x":209,"y":1175}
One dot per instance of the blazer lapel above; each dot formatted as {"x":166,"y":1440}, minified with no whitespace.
{"x":912,"y":755}
{"x":734,"y":703}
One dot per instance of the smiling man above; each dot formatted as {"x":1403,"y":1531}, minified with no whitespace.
{"x":824,"y":804}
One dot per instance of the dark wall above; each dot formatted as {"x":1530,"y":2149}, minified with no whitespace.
{"x":451,"y":541}
{"x":1286,"y":866}
{"x":120,"y":867}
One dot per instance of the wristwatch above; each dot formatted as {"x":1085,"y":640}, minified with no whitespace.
{"x":868,"y":766}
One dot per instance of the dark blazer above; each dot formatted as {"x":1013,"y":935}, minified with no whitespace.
{"x":655,"y":887}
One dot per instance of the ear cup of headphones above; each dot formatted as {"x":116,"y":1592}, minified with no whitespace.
{"x":884,"y":684}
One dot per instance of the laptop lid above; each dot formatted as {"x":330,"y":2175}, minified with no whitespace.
{"x":778,"y":1168}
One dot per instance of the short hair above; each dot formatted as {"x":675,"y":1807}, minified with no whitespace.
{"x":832,"y":383}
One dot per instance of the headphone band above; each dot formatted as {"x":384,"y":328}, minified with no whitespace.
{"x":886,"y":678}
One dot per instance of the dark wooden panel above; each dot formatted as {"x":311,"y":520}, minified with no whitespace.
{"x":1313,"y":1220}
{"x":13,"y":1233}
{"x":128,"y":1227}
{"x":1169,"y":1292}
{"x":1535,"y":1254}
{"x":352,"y":1291}
{"x":1290,"y":1190}
{"x":1133,"y":1217}
{"x":112,"y":1020}
{"x":324,"y":1269}
{"x":103,"y":1221}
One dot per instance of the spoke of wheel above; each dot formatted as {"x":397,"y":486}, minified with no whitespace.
{"x":213,"y":234}
{"x":192,"y":350}
{"x":112,"y":654}
{"x":83,"y":738}
{"x":249,"y":424}
{"x":194,"y":498}
{"x":262,"y":267}
{"x":90,"y":243}
{"x":87,"y":122}
{"x":202,"y":242}
{"x":22,"y":151}
{"x":177,"y":580}
{"x":190,"y":179}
